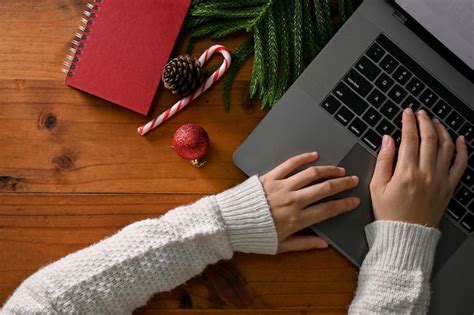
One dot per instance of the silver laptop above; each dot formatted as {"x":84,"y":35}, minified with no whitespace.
{"x":386,"y":57}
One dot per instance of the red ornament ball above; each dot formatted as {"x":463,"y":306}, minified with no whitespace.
{"x":191,"y":142}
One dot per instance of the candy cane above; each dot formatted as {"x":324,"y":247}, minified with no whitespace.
{"x":142,"y":130}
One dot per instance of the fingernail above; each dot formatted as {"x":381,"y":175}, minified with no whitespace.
{"x":356,"y":201}
{"x":409,"y":111}
{"x":462,"y":138}
{"x":314,"y":153}
{"x":421,"y":111}
{"x":342,"y":170}
{"x":355,"y":179}
{"x":435,"y":120}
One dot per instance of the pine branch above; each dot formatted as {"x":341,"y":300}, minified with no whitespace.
{"x":297,"y":39}
{"x":257,"y":81}
{"x":271,"y":61}
{"x":232,"y":28}
{"x":239,"y":57}
{"x":285,"y":37}
{"x":227,"y":4}
{"x":310,"y":48}
{"x":282,"y":10}
{"x":206,"y":11}
{"x":193,"y":22}
{"x":342,"y":10}
{"x":216,"y":29}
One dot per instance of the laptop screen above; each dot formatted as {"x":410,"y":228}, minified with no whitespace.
{"x":451,"y":22}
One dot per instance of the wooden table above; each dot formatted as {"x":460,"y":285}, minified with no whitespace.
{"x":73,"y":170}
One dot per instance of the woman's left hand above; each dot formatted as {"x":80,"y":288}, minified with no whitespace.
{"x":292,"y":200}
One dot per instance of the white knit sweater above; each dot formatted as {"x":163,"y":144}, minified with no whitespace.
{"x":120,"y":273}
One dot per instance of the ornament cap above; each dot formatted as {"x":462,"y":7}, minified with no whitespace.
{"x":198,"y":163}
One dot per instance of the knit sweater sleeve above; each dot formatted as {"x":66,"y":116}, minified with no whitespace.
{"x":122,"y":272}
{"x":395,"y":275}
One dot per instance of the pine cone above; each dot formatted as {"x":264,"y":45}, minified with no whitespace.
{"x":182,"y":75}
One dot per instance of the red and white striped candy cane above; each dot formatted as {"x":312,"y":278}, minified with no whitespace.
{"x":142,"y":130}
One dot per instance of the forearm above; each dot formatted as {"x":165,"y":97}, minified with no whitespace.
{"x":395,"y":275}
{"x":122,"y":272}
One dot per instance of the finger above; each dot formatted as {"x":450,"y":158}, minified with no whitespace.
{"x":312,"y":174}
{"x":384,"y":167}
{"x":300,"y":242}
{"x":325,"y":189}
{"x":460,"y":163}
{"x":429,"y":143}
{"x":408,"y":153}
{"x":327,"y":210}
{"x":285,"y":168}
{"x":445,"y":147}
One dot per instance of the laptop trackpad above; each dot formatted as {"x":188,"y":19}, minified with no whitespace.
{"x":346,"y":231}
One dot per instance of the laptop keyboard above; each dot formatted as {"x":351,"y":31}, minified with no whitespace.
{"x":370,"y":98}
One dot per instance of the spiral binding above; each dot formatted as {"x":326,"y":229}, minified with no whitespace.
{"x":80,"y":37}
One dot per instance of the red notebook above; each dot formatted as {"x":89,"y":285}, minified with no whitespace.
{"x":122,"y":48}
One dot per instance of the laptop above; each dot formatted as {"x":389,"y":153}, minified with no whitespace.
{"x":388,"y":56}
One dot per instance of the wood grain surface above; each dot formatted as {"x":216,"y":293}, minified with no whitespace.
{"x":73,"y":170}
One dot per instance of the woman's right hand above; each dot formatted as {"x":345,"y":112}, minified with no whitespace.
{"x":292,"y":199}
{"x":423,"y":182}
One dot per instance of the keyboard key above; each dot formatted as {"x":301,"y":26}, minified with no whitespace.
{"x":455,"y":120}
{"x":344,"y":115}
{"x":411,"y":102}
{"x":468,"y":177}
{"x":441,"y":109}
{"x":402,"y":75}
{"x":470,"y":154}
{"x":358,"y":83}
{"x":385,"y":127}
{"x":331,"y":104}
{"x":389,"y":109}
{"x":375,"y":52}
{"x":398,"y":119}
{"x":372,"y":139}
{"x":350,"y":98}
{"x":357,"y":127}
{"x":397,"y":94}
{"x":389,"y":63}
{"x":427,"y":111}
{"x":455,"y":209}
{"x":468,"y":222}
{"x":464,"y":195}
{"x":384,"y":82}
{"x":397,"y":136}
{"x":453,"y":136}
{"x":428,"y":98}
{"x":467,"y":130}
{"x":376,"y":98}
{"x":367,"y":68}
{"x":372,"y":117}
{"x":415,"y":86}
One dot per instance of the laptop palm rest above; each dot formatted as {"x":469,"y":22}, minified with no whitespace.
{"x":346,"y":231}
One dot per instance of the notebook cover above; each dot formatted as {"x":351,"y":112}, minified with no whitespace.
{"x":126,"y":50}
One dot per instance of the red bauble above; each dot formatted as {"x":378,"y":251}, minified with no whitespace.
{"x":191,"y":142}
